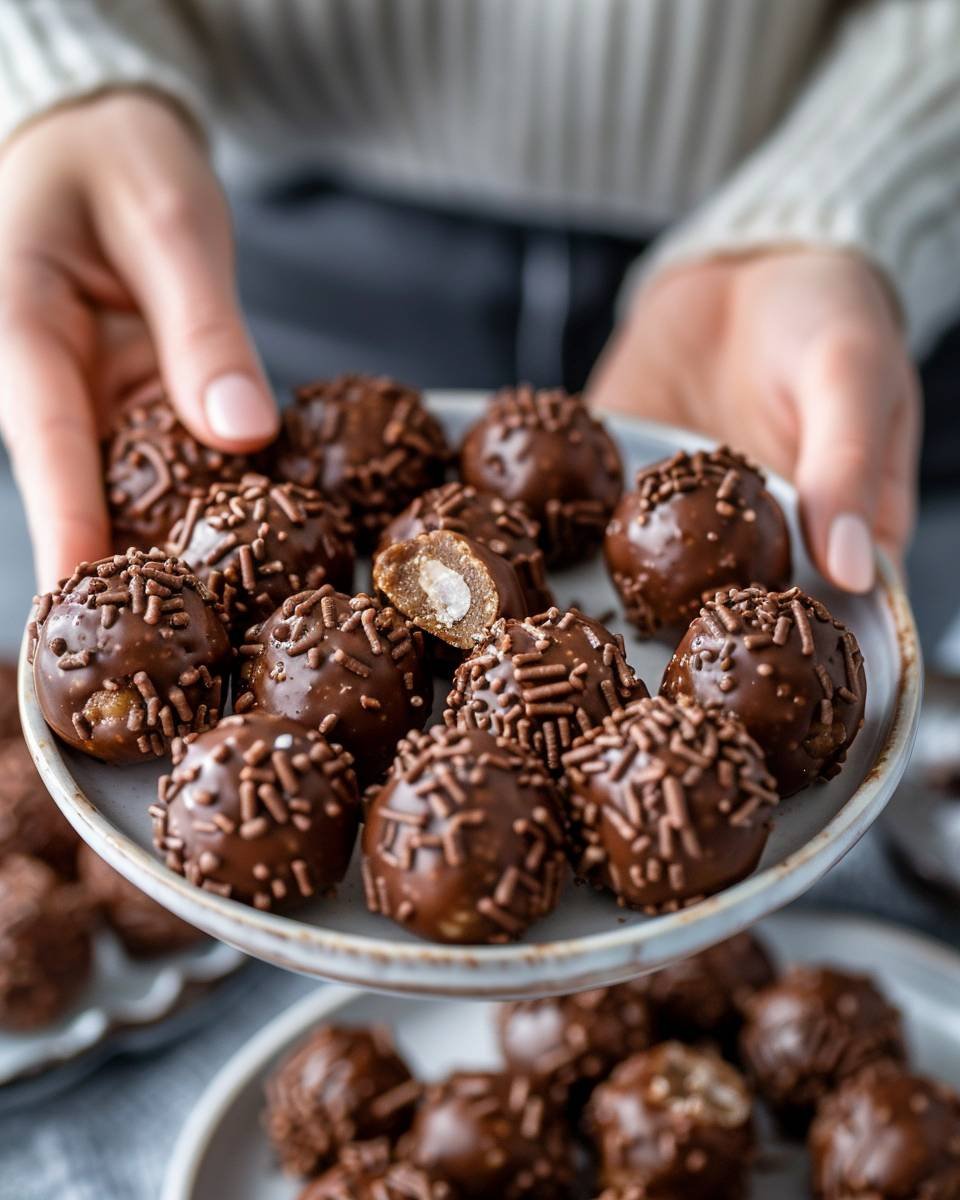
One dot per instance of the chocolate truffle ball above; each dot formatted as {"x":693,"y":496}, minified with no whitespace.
{"x":544,"y":681}
{"x":143,"y":926}
{"x":812,"y":1029}
{"x":9,"y":708}
{"x":670,"y":803}
{"x":128,"y":653}
{"x":503,"y":526}
{"x":153,"y":467}
{"x":30,"y":822}
{"x":696,"y":523}
{"x":343,"y":1084}
{"x":365,"y":1171}
{"x":885,"y":1133}
{"x":464,"y":842}
{"x":492,"y":1135}
{"x":675,"y":1121}
{"x":259,"y":809}
{"x":367,"y":442}
{"x":544,"y":449}
{"x":345,"y":665}
{"x":45,"y":944}
{"x":790,"y":671}
{"x":254,"y":543}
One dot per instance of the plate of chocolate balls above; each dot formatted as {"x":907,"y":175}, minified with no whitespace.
{"x":817,"y":1057}
{"x":463,"y":695}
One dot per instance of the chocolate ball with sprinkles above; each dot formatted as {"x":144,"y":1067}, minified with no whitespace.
{"x":30,"y":822}
{"x":346,"y":665}
{"x":543,"y":682}
{"x":669,"y":803}
{"x":342,"y":1085}
{"x":367,"y":442}
{"x":128,"y":653}
{"x":695,"y":523}
{"x":255,"y":542}
{"x":365,"y":1171}
{"x":791,"y":672}
{"x":260,"y":810}
{"x":464,"y":843}
{"x":544,"y":449}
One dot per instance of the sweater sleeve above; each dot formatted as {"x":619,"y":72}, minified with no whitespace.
{"x":868,"y":159}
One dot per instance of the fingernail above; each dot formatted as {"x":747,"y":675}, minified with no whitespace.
{"x":239,"y":408}
{"x":850,"y":561}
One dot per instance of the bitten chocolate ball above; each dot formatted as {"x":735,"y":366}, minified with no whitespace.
{"x":259,"y":809}
{"x":790,"y":671}
{"x":502,"y":526}
{"x":675,"y":1121}
{"x":544,"y":681}
{"x":670,"y":803}
{"x":345,"y":665}
{"x":492,"y":1135}
{"x":366,"y":1171}
{"x":143,"y":926}
{"x":153,"y":467}
{"x":809,"y":1031}
{"x":343,"y":1084}
{"x":696,"y":523}
{"x":369,"y":443}
{"x":885,"y":1133}
{"x":544,"y":449}
{"x":45,"y":944}
{"x":9,"y":708}
{"x":254,"y":543}
{"x":464,"y":842}
{"x":30,"y":822}
{"x":128,"y":653}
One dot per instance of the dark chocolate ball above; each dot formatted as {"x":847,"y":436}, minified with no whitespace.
{"x":696,"y":523}
{"x":9,"y":707}
{"x":345,"y":665}
{"x":790,"y":671}
{"x":128,"y":653}
{"x":812,"y":1029}
{"x":367,"y":442}
{"x":30,"y":822}
{"x":259,"y":809}
{"x":885,"y":1133}
{"x":45,"y":944}
{"x":342,"y":1084}
{"x":544,"y":681}
{"x":670,"y":803}
{"x":368,"y":1171}
{"x":492,"y":1135}
{"x":464,"y":842}
{"x":677,"y":1122}
{"x":544,"y":449}
{"x":504,"y":526}
{"x":153,"y":467}
{"x":255,"y":542}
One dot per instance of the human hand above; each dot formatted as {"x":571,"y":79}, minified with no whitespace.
{"x":796,"y":358}
{"x":116,"y":263}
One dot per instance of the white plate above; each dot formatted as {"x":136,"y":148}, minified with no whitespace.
{"x":222,"y":1150}
{"x":588,"y":940}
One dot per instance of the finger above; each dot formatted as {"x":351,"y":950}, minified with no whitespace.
{"x":897,"y":504}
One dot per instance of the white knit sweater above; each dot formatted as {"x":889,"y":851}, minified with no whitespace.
{"x":742,"y":123}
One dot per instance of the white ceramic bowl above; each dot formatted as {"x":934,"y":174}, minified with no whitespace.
{"x":588,"y":940}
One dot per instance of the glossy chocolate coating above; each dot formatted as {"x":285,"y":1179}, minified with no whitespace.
{"x":342,"y":1084}
{"x":675,"y":1120}
{"x":885,"y":1133}
{"x":464,"y":842}
{"x":694,"y":524}
{"x":790,"y":671}
{"x":809,"y":1031}
{"x":544,"y":449}
{"x":255,"y":542}
{"x":30,"y":822}
{"x":366,"y":442}
{"x":375,"y":1181}
{"x":259,"y":809}
{"x":128,"y":653}
{"x":45,"y":944}
{"x":492,"y":1135}
{"x":345,"y":665}
{"x":670,"y":803}
{"x":9,"y":708}
{"x":544,"y":681}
